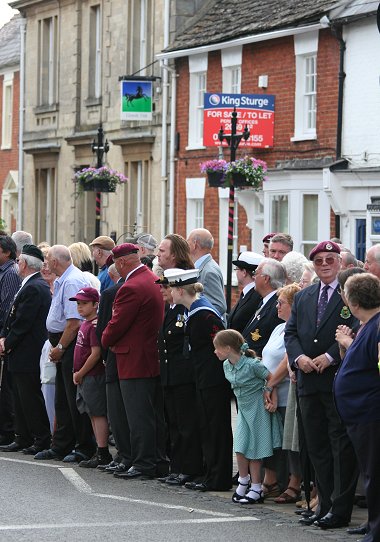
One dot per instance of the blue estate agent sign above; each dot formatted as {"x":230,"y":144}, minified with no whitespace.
{"x":136,"y":100}
{"x":256,"y":111}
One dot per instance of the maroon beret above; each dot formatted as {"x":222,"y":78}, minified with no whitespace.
{"x":268,"y":237}
{"x":124,"y":250}
{"x":324,"y":246}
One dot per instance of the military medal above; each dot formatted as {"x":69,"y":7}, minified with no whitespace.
{"x":180,"y":320}
{"x":345,"y":313}
{"x":255,"y":335}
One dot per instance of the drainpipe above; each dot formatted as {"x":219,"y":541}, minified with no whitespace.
{"x":20,"y":191}
{"x":338,"y":33}
{"x":172,"y":143}
{"x":164,"y":130}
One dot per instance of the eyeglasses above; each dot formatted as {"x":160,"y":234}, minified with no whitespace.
{"x":320,"y":261}
{"x":280,"y":303}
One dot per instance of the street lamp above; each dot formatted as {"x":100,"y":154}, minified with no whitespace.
{"x":100,"y":147}
{"x":233,"y":141}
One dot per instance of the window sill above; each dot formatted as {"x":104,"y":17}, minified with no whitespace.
{"x":90,"y":102}
{"x":6,"y":147}
{"x":52,"y":108}
{"x":303,"y":137}
{"x":195,"y":148}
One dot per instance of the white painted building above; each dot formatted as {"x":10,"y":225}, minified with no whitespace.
{"x":355,"y":182}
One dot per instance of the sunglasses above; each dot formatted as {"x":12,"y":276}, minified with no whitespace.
{"x":320,"y":261}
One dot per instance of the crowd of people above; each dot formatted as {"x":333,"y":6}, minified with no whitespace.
{"x":145,"y":354}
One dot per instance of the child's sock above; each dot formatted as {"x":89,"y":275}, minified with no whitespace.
{"x":255,"y":492}
{"x":243,"y":484}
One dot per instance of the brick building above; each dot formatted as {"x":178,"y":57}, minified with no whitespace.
{"x":9,"y":120}
{"x":299,"y":58}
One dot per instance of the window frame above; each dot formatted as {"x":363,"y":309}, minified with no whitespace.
{"x":7,"y":111}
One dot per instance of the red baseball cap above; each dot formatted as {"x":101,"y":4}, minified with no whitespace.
{"x":86,"y":294}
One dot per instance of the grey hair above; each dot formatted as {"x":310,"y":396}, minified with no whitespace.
{"x":60,"y":253}
{"x":294,"y":265}
{"x":350,"y":258}
{"x":32,"y":262}
{"x":283,"y":238}
{"x":275,"y":271}
{"x":22,"y":238}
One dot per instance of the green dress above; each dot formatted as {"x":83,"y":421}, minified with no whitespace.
{"x":257,"y":431}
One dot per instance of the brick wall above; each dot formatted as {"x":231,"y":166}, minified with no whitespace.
{"x":276,"y":59}
{"x":9,"y":157}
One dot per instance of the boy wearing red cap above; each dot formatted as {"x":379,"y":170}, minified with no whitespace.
{"x":89,"y":376}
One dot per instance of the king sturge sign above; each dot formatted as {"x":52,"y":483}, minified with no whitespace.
{"x":256,"y":111}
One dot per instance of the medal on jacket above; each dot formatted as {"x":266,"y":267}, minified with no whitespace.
{"x":180,"y":320}
{"x":345,"y":313}
{"x":255,"y":335}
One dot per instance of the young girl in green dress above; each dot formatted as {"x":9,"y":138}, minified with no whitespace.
{"x":258,"y":428}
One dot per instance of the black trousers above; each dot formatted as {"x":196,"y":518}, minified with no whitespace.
{"x":185,"y":443}
{"x":73,"y":430}
{"x":6,"y":403}
{"x":32,"y":424}
{"x":366,"y":441}
{"x":214,"y":410}
{"x":331,"y":454}
{"x":118,"y":421}
{"x":144,"y":408}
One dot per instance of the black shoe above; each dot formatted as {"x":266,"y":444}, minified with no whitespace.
{"x":113,"y":463}
{"x":33,"y":449}
{"x":331,"y":521}
{"x":97,"y":459}
{"x":190,"y":485}
{"x":6,"y":439}
{"x":202,"y":487}
{"x":309,"y":520}
{"x":13,"y":447}
{"x":133,"y":474}
{"x":48,"y":454}
{"x":362,"y":529}
{"x":164,"y":479}
{"x":120,"y":467}
{"x":179,"y":480}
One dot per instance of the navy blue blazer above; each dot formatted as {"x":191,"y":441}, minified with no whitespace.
{"x":302,"y":336}
{"x":257,"y":331}
{"x":25,"y":326}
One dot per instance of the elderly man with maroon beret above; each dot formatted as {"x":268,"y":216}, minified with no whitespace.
{"x":312,"y":350}
{"x":132,"y":334}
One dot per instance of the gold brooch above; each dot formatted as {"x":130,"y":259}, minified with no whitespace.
{"x":255,"y":335}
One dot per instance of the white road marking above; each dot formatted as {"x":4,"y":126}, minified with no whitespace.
{"x":73,"y":477}
{"x":77,"y":481}
{"x":124,"y":523}
{"x":37,"y":463}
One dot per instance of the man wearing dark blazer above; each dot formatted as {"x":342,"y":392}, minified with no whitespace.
{"x":132,"y":333}
{"x":269,"y":276}
{"x":115,"y":407}
{"x":23,"y":336}
{"x":249,"y":300}
{"x":310,"y":343}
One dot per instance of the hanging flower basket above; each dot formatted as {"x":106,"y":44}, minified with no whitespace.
{"x":247,"y":172}
{"x":101,"y":179}
{"x":216,"y":172}
{"x":215,"y":178}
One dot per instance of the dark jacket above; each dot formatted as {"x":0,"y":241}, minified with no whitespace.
{"x":244,"y":310}
{"x":302,"y":336}
{"x":258,"y":331}
{"x":25,"y":326}
{"x":175,"y":368}
{"x":107,"y":298}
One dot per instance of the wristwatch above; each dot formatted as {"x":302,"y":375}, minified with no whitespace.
{"x":60,"y":347}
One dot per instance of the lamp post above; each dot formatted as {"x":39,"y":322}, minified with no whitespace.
{"x":233,"y":141}
{"x":100,"y":147}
